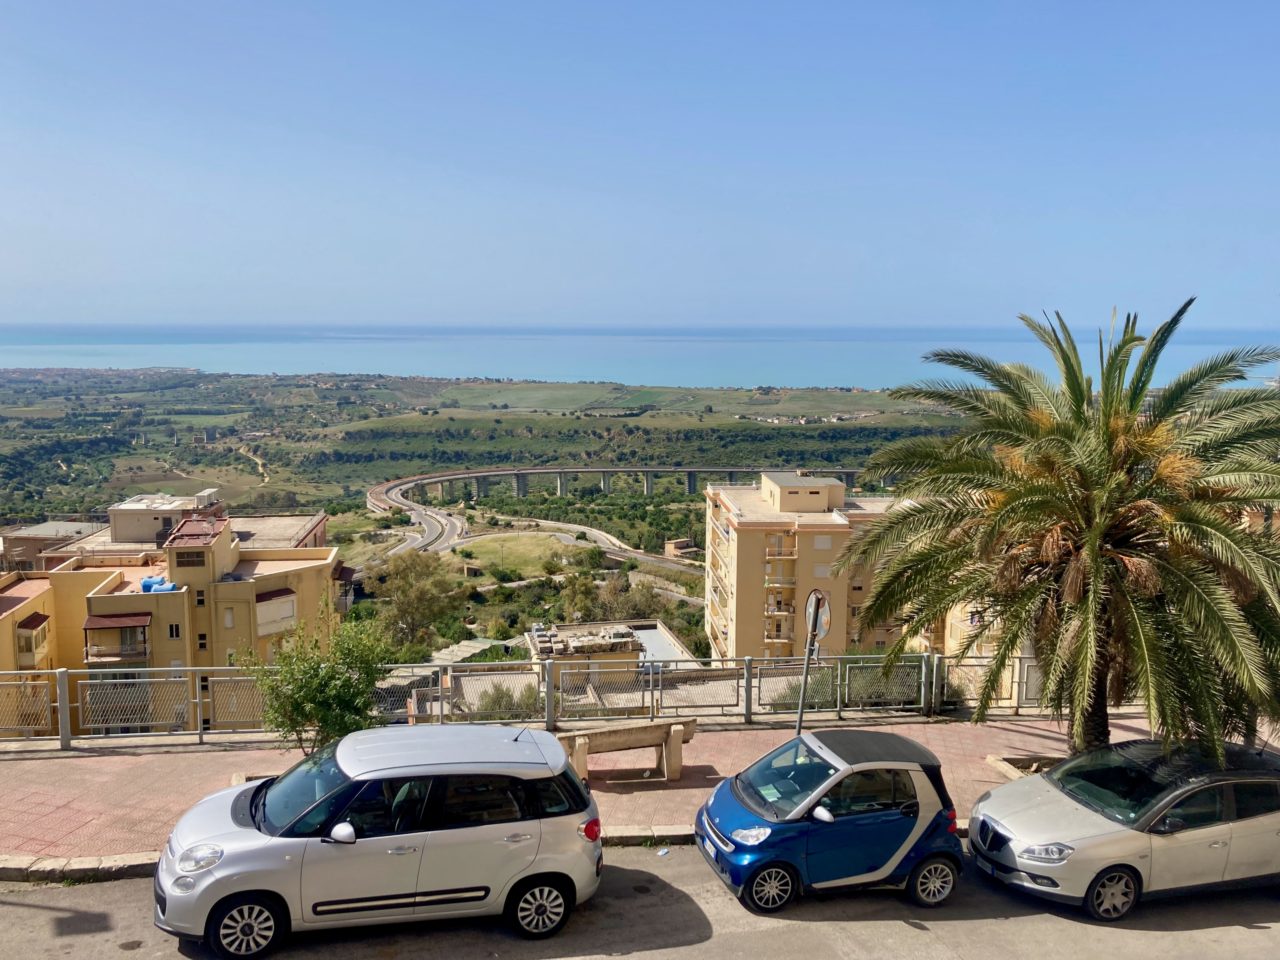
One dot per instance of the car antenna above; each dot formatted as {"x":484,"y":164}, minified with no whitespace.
{"x":519,"y":735}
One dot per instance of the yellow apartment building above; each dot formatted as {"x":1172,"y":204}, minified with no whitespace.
{"x":768,"y":545}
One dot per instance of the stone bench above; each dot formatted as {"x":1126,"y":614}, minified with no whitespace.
{"x":667,"y":737}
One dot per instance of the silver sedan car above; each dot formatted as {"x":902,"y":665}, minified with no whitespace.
{"x":1111,"y":826}
{"x":400,"y":823}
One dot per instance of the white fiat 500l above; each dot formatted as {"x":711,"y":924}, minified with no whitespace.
{"x":395,"y":824}
{"x":1111,"y":826}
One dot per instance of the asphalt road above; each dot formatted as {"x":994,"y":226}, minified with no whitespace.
{"x":671,"y":906}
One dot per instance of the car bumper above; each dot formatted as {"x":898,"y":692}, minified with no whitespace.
{"x":732,"y":867}
{"x":1041,"y":884}
{"x":181,"y":914}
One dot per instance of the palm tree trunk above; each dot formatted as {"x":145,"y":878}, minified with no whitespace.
{"x":1095,"y":725}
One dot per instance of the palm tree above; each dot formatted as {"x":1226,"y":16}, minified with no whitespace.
{"x":1110,"y":528}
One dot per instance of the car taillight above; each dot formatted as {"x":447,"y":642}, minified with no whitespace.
{"x":951,"y":816}
{"x":590,"y":831}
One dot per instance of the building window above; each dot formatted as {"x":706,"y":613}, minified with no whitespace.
{"x":175,"y":631}
{"x":202,"y":641}
{"x":199,"y":598}
{"x":204,"y":684}
{"x":190,"y":558}
{"x":821,"y":571}
{"x":228,"y":617}
{"x":822,"y":543}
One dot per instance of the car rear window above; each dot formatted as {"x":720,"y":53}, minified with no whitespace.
{"x":1256,"y":799}
{"x":559,"y":795}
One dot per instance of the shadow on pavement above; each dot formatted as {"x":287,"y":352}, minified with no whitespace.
{"x":625,"y":780}
{"x":68,"y":922}
{"x":979,"y":898}
{"x":632,"y":912}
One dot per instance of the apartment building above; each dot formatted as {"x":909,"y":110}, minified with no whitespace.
{"x":23,"y":548}
{"x":770,"y":544}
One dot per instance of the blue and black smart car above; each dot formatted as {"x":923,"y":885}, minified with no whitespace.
{"x":833,"y":809}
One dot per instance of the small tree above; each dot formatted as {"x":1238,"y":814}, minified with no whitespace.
{"x":311,"y":697}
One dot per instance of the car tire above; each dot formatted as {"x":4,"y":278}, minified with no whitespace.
{"x":1113,"y":894}
{"x":932,"y":882}
{"x":539,"y":908}
{"x":246,"y":927}
{"x":770,"y":888}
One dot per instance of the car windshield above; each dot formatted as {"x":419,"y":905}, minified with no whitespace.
{"x":778,"y":783}
{"x":1123,"y":785}
{"x":296,"y":790}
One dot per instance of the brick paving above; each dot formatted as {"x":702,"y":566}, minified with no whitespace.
{"x":106,"y":798}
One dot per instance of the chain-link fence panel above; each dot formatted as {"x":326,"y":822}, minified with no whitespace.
{"x":597,"y":692}
{"x":868,"y":686}
{"x":484,"y":695}
{"x":235,"y":703}
{"x":964,"y":680}
{"x":26,"y":704}
{"x":693,"y":688}
{"x":405,"y":684}
{"x":778,"y":686}
{"x":150,"y":705}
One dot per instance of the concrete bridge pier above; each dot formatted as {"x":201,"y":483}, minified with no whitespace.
{"x":648,"y":482}
{"x":691,"y":482}
{"x":733,"y":477}
{"x":850,"y":480}
{"x":562,"y":484}
{"x":436,"y":490}
{"x":521,"y":484}
{"x":606,"y":481}
{"x":482,"y":486}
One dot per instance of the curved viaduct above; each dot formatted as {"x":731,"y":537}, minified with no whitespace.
{"x":391,"y":494}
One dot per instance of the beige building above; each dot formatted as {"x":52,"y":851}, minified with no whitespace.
{"x":768,"y":546}
{"x":24,"y":547}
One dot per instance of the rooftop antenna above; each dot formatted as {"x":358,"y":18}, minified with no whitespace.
{"x":523,"y":731}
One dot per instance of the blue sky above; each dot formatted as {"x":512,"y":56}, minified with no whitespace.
{"x":662,"y":164}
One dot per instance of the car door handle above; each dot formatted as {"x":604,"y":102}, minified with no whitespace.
{"x":401,"y":851}
{"x":517,"y":837}
{"x":1217,"y":843}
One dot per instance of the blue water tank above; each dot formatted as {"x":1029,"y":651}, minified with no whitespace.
{"x":164,"y":588}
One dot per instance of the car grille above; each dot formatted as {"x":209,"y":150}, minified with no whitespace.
{"x":717,"y":837}
{"x":991,"y":839}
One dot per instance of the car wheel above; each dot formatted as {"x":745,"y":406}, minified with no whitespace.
{"x":245,"y":927}
{"x":1112,"y":895}
{"x":769,"y":889}
{"x":539,"y":908}
{"x":932,"y":882}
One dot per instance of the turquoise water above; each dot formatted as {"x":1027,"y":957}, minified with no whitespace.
{"x":706,"y":357}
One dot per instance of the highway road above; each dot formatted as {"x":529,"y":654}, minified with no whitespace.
{"x":669,"y":907}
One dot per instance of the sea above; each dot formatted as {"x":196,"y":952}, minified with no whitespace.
{"x":865,"y":357}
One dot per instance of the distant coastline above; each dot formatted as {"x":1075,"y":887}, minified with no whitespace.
{"x":865,"y":357}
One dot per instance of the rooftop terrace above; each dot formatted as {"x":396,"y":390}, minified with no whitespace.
{"x":19,"y":592}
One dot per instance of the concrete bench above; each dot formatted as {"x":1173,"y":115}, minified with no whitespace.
{"x":667,"y":737}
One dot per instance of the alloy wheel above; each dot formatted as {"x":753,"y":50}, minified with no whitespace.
{"x":247,"y":929}
{"x":540,"y":909}
{"x":771,"y":888}
{"x":935,"y":882}
{"x":1114,"y":895}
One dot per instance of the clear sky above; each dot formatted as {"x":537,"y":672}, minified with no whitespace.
{"x":614,"y":164}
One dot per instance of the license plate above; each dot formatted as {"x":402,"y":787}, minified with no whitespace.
{"x":709,"y":847}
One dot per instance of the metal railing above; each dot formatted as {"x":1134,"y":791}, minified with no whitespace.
{"x":123,"y":701}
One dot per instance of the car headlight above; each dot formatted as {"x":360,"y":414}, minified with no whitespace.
{"x":751,"y":836}
{"x":1048,"y":852}
{"x":183,"y":884}
{"x":200,"y":857}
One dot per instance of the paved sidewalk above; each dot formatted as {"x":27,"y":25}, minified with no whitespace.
{"x":121,"y":798}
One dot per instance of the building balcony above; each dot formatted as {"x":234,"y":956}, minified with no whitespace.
{"x":774,"y":580}
{"x":113,"y":652}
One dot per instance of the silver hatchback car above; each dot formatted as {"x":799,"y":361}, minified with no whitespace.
{"x":394,"y":824}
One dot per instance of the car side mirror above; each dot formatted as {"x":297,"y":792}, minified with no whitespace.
{"x":822,"y":814}
{"x":1167,"y":825}
{"x":342,"y":832}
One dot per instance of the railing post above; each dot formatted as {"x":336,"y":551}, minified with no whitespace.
{"x":839,"y":686}
{"x":549,"y":681}
{"x":653,"y":703}
{"x":440,"y":697}
{"x":195,"y":677}
{"x":1015,"y":685}
{"x":746,"y":689}
{"x":64,"y":709}
{"x":924,"y":678}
